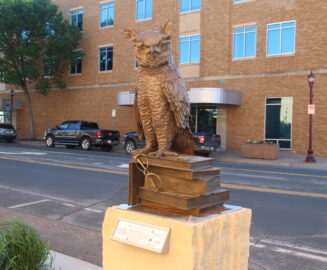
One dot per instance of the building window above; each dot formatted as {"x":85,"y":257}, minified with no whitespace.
{"x":279,"y":121}
{"x":189,"y":5}
{"x":189,"y":49}
{"x":136,"y":64}
{"x":143,"y":9}
{"x":77,"y":18}
{"x":107,"y":14}
{"x":77,"y":67}
{"x":106,"y":58}
{"x":245,"y":42}
{"x":239,"y":1}
{"x":281,"y":38}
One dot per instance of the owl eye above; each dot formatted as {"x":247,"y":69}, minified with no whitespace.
{"x":164,"y":47}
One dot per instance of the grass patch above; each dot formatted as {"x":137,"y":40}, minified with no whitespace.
{"x":21,"y":248}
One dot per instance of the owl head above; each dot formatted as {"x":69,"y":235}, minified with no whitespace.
{"x":152,"y":48}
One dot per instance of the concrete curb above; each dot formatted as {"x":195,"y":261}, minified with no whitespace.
{"x":64,"y":262}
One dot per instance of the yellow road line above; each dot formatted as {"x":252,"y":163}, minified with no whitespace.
{"x":65,"y":165}
{"x":240,"y":187}
{"x":274,"y":172}
{"x":279,"y":191}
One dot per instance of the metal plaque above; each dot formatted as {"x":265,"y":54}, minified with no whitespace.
{"x":142,"y":235}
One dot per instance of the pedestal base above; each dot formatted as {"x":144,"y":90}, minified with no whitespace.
{"x":219,"y":241}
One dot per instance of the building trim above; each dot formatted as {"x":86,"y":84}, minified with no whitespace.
{"x":207,"y":78}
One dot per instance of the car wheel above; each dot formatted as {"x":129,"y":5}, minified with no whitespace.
{"x":70,"y":146}
{"x":86,"y":143}
{"x":49,"y":141}
{"x":129,"y":146}
{"x":106,"y":147}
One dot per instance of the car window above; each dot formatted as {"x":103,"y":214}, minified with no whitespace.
{"x":74,"y":125}
{"x":8,"y":126}
{"x":64,"y":125}
{"x":89,"y":125}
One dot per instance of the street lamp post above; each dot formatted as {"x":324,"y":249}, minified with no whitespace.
{"x":12,"y":93}
{"x":311,"y":111}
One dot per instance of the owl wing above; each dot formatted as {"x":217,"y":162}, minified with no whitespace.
{"x":140,"y":131}
{"x":176,"y":94}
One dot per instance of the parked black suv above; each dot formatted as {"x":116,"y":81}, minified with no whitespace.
{"x":205,"y":143}
{"x":7,"y":132}
{"x":81,"y":133}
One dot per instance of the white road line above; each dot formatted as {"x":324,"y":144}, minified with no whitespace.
{"x":301,"y":254}
{"x":26,"y":204}
{"x":285,"y":244}
{"x":123,"y":166}
{"x":256,"y":176}
{"x":68,"y":204}
{"x":24,"y":153}
{"x":39,"y":194}
{"x":93,"y":210}
{"x":257,"y":245}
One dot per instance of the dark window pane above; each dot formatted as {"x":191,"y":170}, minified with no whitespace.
{"x":272,"y":122}
{"x":109,"y":59}
{"x":207,"y":119}
{"x":80,"y":21}
{"x":285,"y":144}
{"x":193,"y":113}
{"x":274,"y":100}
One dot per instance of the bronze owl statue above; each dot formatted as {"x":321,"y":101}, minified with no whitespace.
{"x":162,"y":105}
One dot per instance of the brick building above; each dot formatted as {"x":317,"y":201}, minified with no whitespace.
{"x":245,"y":63}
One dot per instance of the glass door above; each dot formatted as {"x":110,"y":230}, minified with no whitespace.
{"x":204,"y":118}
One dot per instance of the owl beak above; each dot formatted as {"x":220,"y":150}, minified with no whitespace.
{"x":154,"y":49}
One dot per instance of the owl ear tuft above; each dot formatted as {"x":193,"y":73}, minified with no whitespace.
{"x":167,"y":28}
{"x":130,"y":34}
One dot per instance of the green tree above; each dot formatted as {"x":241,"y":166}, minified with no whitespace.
{"x":36,"y":45}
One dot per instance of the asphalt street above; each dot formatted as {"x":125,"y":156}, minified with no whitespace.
{"x":289,"y":224}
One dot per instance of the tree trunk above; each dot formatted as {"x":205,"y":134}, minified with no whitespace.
{"x":30,"y":111}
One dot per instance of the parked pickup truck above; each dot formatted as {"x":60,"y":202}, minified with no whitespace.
{"x":205,"y":143}
{"x":81,"y":133}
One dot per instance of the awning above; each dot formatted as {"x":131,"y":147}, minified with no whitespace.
{"x":215,"y":96}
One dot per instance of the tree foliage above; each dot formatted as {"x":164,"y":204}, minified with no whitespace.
{"x":35,"y":41}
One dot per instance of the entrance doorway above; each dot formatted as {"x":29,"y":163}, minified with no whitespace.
{"x":204,"y":118}
{"x":4,"y":117}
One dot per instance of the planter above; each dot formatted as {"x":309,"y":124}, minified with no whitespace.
{"x":260,"y":150}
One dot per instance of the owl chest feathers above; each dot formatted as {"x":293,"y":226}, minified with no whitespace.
{"x":151,"y":85}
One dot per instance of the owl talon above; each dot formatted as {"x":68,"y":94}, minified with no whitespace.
{"x":163,"y":153}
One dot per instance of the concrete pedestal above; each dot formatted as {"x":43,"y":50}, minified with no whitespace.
{"x":217,"y":242}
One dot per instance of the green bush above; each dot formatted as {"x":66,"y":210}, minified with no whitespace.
{"x":21,"y":248}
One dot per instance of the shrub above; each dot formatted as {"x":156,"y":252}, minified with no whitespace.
{"x":21,"y":248}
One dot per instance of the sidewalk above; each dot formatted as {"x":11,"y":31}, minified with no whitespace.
{"x":286,"y":159}
{"x":64,"y":262}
